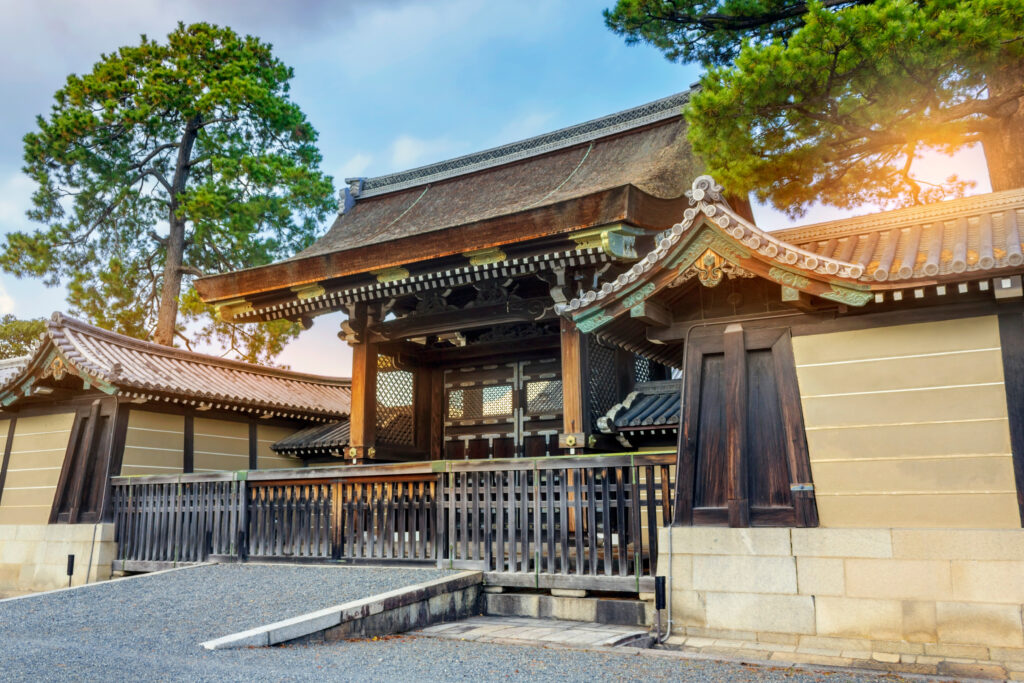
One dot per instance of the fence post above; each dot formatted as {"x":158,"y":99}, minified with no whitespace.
{"x":243,"y":516}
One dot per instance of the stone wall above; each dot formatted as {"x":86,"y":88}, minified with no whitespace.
{"x":33,"y":557}
{"x":918,"y":592}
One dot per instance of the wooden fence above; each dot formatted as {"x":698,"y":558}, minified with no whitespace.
{"x":549,"y":520}
{"x":565,"y":521}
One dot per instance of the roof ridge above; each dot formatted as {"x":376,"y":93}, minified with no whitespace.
{"x":884,"y":220}
{"x":627,"y":119}
{"x":59,"y":320}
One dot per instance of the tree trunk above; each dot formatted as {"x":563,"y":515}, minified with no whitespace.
{"x":1004,"y":142}
{"x":167,"y":314}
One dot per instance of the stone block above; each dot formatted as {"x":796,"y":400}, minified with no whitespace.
{"x":16,"y":552}
{"x":682,"y":572}
{"x":788,"y":639}
{"x":898,"y":579}
{"x":688,"y":608}
{"x":8,"y":532}
{"x":979,"y":624}
{"x":820,"y":576}
{"x":303,"y":625}
{"x":568,"y":593}
{"x":959,"y":669}
{"x":570,"y":609}
{"x":744,"y":574}
{"x":512,"y":604}
{"x":888,"y":657}
{"x":900,"y":647}
{"x":988,"y":581}
{"x":919,"y":621}
{"x":819,"y":542}
{"x":1008,"y":654}
{"x":830,"y":643}
{"x":624,"y":612}
{"x":697,"y":540}
{"x":858,"y":618}
{"x":31,"y":532}
{"x":958,"y":544}
{"x":760,"y":612}
{"x":954,"y":650}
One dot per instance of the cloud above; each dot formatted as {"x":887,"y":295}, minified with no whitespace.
{"x":409,"y":152}
{"x":6,"y":301}
{"x":354,"y":167}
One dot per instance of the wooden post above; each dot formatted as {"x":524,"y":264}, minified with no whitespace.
{"x":736,"y":425}
{"x":363,"y":419}
{"x":575,"y":372}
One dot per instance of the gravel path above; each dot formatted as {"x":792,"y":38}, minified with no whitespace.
{"x":150,"y":629}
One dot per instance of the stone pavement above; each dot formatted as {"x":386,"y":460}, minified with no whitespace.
{"x":586,"y":636}
{"x":529,"y":631}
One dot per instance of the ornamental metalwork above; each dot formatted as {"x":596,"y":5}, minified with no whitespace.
{"x":845,"y":295}
{"x":56,"y":369}
{"x":593,"y":322}
{"x":788,"y":278}
{"x":639,"y":295}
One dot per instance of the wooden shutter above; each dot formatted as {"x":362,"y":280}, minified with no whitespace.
{"x":742,"y":450}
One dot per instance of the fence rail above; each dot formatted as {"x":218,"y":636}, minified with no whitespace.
{"x":591,"y":517}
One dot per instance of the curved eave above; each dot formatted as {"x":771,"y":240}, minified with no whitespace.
{"x":710,"y":243}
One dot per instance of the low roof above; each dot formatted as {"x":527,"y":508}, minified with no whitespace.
{"x":852,"y":261}
{"x":10,"y":367}
{"x":555,"y":183}
{"x":321,"y":439}
{"x":124,"y":366}
{"x":651,"y":405}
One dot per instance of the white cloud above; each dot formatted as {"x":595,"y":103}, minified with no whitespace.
{"x":6,"y":301}
{"x":408,"y":151}
{"x":354,"y":167}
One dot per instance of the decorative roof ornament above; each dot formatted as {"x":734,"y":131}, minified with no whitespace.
{"x":704,"y":189}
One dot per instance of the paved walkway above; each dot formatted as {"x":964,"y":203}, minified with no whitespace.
{"x":149,"y":628}
{"x":524,"y":630}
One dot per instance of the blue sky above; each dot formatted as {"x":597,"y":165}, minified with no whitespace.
{"x":389,"y":84}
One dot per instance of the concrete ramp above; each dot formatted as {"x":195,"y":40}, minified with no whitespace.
{"x":414,"y":607}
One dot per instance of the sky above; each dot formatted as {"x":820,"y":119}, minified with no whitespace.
{"x":389,"y":85}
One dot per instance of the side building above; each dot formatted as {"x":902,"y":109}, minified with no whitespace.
{"x":90,"y":405}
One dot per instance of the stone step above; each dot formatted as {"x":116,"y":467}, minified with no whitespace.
{"x":600,"y":610}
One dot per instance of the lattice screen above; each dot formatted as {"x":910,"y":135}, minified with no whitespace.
{"x":603,"y":387}
{"x":544,"y":397}
{"x":642,"y":369}
{"x":475,"y":403}
{"x":394,"y":403}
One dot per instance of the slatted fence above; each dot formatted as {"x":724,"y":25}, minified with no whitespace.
{"x":161,"y":521}
{"x":557,"y":518}
{"x":588,"y":521}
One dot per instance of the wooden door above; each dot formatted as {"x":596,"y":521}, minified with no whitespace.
{"x":742,"y":450}
{"x":84,"y":476}
{"x":502,"y":411}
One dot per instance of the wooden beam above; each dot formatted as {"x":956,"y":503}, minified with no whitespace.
{"x":651,"y":313}
{"x":422,"y":408}
{"x":254,"y":445}
{"x":1011,"y":338}
{"x":188,"y":464}
{"x":575,"y":371}
{"x":463,"y":319}
{"x":11,"y":424}
{"x":736,"y":423}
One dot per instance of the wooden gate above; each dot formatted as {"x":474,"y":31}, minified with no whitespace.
{"x":503,"y":411}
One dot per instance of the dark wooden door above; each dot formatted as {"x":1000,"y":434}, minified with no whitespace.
{"x":83,"y":481}
{"x":742,"y":450}
{"x":502,"y":411}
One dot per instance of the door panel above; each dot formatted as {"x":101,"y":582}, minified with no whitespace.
{"x":773,"y":455}
{"x":503,"y":411}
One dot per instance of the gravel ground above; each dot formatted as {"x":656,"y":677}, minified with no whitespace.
{"x":150,"y":629}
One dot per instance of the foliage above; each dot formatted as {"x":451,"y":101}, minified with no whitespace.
{"x":837,"y":105}
{"x":168,"y":160}
{"x":19,"y":337}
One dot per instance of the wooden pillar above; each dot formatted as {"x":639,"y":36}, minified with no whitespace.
{"x":575,"y":372}
{"x":1011,"y":338}
{"x":254,"y":445}
{"x":736,"y":425}
{"x":363,"y":418}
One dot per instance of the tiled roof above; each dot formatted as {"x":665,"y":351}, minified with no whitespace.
{"x":943,"y":240}
{"x":655,"y":159}
{"x":651,"y":405}
{"x":315,"y":440}
{"x":10,"y":367}
{"x":133,"y":368}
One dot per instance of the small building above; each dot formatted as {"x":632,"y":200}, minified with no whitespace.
{"x":89,"y":405}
